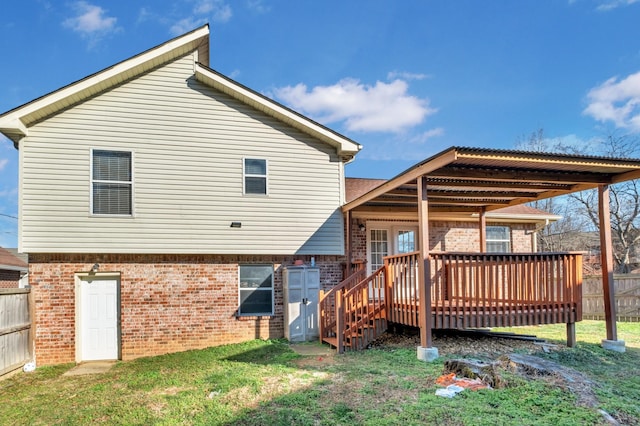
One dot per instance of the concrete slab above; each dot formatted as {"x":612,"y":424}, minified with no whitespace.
{"x":92,"y":367}
{"x":311,"y":349}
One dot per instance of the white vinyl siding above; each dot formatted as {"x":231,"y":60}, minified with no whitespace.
{"x":189,"y":142}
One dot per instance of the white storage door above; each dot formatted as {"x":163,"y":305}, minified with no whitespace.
{"x":295,"y":315}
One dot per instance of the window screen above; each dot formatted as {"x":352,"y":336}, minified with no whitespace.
{"x":498,"y":239}
{"x":255,"y":176}
{"x":111,"y":182}
{"x":256,"y":290}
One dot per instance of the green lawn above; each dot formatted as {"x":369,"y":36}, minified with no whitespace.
{"x":264,"y":383}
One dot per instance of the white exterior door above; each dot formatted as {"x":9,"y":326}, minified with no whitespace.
{"x":302,"y":288}
{"x":98,"y":311}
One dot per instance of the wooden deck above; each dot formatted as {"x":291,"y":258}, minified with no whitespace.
{"x":468,"y":290}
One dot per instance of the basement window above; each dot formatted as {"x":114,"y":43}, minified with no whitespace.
{"x":256,"y":290}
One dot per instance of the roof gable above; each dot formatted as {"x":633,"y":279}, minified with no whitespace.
{"x":344,"y":146}
{"x":15,"y":123}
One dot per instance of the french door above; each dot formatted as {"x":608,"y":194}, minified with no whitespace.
{"x":386,"y":239}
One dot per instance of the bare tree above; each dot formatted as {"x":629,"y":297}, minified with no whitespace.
{"x":568,"y":233}
{"x":625,"y":204}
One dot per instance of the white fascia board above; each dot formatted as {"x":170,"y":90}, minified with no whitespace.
{"x":344,"y":146}
{"x":524,"y":217}
{"x":17,"y":119}
{"x":458,"y":217}
{"x":13,"y":129}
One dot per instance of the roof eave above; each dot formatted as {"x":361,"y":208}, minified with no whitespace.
{"x":445,"y":157}
{"x":14,"y":268}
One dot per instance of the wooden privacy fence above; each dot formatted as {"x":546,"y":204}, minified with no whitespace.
{"x":15,"y":329}
{"x":627,"y":290}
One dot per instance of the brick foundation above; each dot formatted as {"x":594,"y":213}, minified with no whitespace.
{"x":169,"y":303}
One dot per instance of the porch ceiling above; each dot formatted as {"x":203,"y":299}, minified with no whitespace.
{"x":470,"y":179}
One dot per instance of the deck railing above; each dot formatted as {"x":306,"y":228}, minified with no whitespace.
{"x":505,"y":289}
{"x":488,"y":289}
{"x":468,"y":290}
{"x":362,"y":312}
{"x":402,"y":288}
{"x":327,"y":304}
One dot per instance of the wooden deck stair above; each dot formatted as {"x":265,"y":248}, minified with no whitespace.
{"x":353,"y":314}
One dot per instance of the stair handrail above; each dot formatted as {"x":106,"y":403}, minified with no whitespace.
{"x":379,"y":306}
{"x":326,"y":325}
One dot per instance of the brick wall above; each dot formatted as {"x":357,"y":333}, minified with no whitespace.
{"x":447,"y":236}
{"x":169,"y":303}
{"x":9,"y":279}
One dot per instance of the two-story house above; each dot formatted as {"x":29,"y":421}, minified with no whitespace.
{"x":160,"y":202}
{"x":152,"y":190}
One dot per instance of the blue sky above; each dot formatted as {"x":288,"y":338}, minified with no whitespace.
{"x":406,"y":79}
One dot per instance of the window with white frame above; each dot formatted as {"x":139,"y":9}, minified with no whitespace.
{"x":256,"y":290}
{"x":498,"y":239}
{"x":255,"y":176}
{"x":406,"y":241}
{"x":111,"y":182}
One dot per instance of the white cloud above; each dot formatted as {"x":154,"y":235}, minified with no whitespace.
{"x":9,"y":193}
{"x":258,"y":6}
{"x":406,"y":75}
{"x":383,"y":107}
{"x":187,"y":24}
{"x":91,"y":22}
{"x":617,"y":101}
{"x":613,"y":4}
{"x":3,"y":163}
{"x":202,"y":12}
{"x":90,"y":19}
{"x":425,"y":136}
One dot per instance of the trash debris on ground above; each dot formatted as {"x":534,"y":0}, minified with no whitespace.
{"x":29,"y":367}
{"x":454,"y":385}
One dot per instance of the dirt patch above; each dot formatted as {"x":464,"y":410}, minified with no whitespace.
{"x":460,"y":343}
{"x":512,"y":354}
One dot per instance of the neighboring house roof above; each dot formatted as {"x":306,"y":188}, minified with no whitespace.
{"x":356,"y":187}
{"x":9,"y":261}
{"x":15,"y":123}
